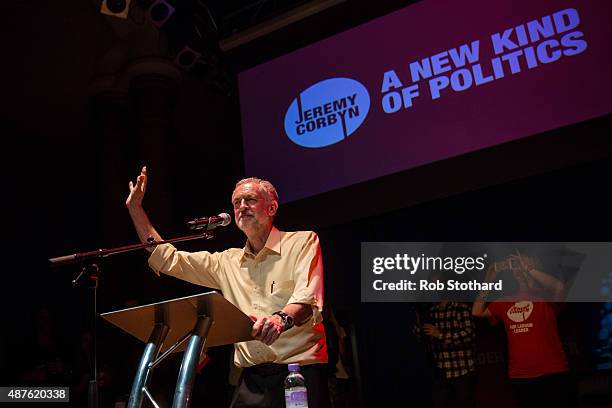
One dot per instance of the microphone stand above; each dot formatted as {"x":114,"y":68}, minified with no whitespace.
{"x":91,"y":269}
{"x":104,"y":253}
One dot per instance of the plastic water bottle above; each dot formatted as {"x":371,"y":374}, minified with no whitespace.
{"x":295,"y":388}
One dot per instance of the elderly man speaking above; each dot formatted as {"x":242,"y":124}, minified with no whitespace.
{"x":276,"y":278}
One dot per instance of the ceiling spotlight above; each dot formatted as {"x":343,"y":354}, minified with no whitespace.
{"x":187,"y":57}
{"x":115,"y":8}
{"x":159,"y":12}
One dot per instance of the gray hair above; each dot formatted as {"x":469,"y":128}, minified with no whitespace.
{"x":265,"y":187}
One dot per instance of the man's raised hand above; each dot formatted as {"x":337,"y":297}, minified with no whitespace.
{"x":137,"y":191}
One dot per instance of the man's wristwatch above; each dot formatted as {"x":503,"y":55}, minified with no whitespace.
{"x":286,"y":319}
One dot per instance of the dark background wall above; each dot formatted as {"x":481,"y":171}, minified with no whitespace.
{"x":71,"y":145}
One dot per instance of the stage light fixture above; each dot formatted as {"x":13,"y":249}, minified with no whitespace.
{"x":115,"y":8}
{"x":186,"y":58}
{"x":159,"y":12}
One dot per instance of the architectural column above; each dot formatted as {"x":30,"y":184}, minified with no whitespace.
{"x":153,"y":86}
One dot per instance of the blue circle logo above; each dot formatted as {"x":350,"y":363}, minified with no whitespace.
{"x":327,"y":112}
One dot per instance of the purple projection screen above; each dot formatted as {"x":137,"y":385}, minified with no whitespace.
{"x":434,"y":80}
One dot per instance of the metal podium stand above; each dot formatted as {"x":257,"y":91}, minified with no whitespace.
{"x":187,"y":324}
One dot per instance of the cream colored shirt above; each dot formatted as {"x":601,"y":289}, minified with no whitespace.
{"x":289,"y":269}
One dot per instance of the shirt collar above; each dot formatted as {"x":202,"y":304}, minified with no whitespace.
{"x":273,"y":243}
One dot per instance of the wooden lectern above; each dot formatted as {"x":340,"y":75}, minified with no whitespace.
{"x":188,"y":324}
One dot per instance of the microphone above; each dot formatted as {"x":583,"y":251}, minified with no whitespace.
{"x":210,"y":223}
